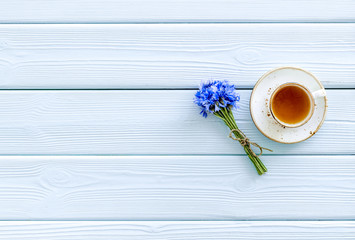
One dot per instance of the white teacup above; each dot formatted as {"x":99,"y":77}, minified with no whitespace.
{"x":308,"y":98}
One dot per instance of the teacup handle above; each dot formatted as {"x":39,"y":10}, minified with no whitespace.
{"x":319,"y":93}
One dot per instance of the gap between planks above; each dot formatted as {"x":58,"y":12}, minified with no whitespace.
{"x":134,"y":89}
{"x":175,"y":23}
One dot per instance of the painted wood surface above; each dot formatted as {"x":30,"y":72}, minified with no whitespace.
{"x":161,"y":56}
{"x":148,"y":122}
{"x":176,"y":188}
{"x":145,"y":155}
{"x":113,"y":11}
{"x":223,"y":230}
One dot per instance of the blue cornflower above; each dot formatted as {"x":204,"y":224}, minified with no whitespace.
{"x":219,"y":97}
{"x":214,"y":95}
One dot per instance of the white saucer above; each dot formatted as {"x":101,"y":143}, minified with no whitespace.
{"x":260,"y":98}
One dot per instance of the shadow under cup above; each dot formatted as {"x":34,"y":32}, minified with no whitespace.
{"x":292,"y":105}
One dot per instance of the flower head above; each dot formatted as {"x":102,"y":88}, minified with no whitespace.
{"x":214,"y":95}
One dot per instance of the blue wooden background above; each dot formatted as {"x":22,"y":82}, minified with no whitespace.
{"x":97,"y":121}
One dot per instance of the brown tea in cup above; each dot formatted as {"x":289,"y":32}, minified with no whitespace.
{"x":291,"y":105}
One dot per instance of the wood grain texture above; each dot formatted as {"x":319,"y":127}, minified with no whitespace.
{"x":170,"y":55}
{"x":148,"y":122}
{"x":117,"y":11}
{"x":173,"y":230}
{"x":176,"y":188}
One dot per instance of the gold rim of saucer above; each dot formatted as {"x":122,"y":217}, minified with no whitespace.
{"x":276,"y":69}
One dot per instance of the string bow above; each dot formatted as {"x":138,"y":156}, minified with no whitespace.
{"x":244,"y":141}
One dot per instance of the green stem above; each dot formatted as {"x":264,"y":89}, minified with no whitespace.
{"x":228,"y":118}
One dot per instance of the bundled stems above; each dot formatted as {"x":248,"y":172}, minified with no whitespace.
{"x":219,"y":97}
{"x":227,"y":116}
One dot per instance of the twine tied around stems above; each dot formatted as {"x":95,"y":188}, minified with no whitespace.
{"x":244,"y":141}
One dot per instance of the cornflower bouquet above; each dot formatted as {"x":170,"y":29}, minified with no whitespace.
{"x":219,"y":98}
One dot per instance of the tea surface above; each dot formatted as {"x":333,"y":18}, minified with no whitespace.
{"x":291,"y":104}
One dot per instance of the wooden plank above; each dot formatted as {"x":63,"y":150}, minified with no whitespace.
{"x":148,"y":122}
{"x":173,"y":230}
{"x":117,"y":11}
{"x":170,"y":56}
{"x":176,"y":188}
